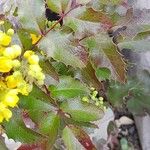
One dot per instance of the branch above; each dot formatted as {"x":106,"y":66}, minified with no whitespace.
{"x":53,"y":26}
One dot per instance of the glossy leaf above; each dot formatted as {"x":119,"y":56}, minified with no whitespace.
{"x":68,"y":88}
{"x":58,"y":46}
{"x":31,"y":15}
{"x":70,"y":141}
{"x":81,"y":111}
{"x":137,"y":46}
{"x":88,"y":76}
{"x":58,"y":6}
{"x":17,"y":130}
{"x":103,"y":73}
{"x":105,"y":54}
{"x":82,"y":137}
{"x":49,"y":69}
{"x":49,"y":125}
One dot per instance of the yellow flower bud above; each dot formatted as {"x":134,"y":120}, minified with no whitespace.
{"x":16,"y":63}
{"x":4,"y":39}
{"x":36,"y":68}
{"x":85,"y":99}
{"x":10,"y":32}
{"x":7,"y":114}
{"x":101,"y":98}
{"x":33,"y":59}
{"x":28,"y":54}
{"x":2,"y":22}
{"x":5,"y":64}
{"x":17,"y":50}
{"x":11,"y":100}
{"x":11,"y":81}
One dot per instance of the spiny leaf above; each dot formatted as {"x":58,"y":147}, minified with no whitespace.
{"x":68,"y":88}
{"x":105,"y":54}
{"x":59,"y":46}
{"x":70,"y":141}
{"x":81,"y":111}
{"x":31,"y":15}
{"x":135,"y":45}
{"x":49,"y":69}
{"x":49,"y":125}
{"x":88,"y":76}
{"x":58,"y":6}
{"x":17,"y":130}
{"x":82,"y":137}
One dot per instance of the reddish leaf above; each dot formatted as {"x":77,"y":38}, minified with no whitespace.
{"x":82,"y":137}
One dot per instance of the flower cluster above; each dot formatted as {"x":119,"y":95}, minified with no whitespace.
{"x":95,"y":99}
{"x":15,"y":73}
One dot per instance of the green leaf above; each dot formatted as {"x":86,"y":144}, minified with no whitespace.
{"x":60,"y":47}
{"x":16,"y":129}
{"x":48,"y":69}
{"x":103,"y":73}
{"x":82,"y":137}
{"x":25,"y":39}
{"x":2,"y":144}
{"x":81,"y":111}
{"x":70,"y":141}
{"x":105,"y":54}
{"x":139,"y":103}
{"x":58,"y":6}
{"x":49,"y":125}
{"x":82,"y":1}
{"x":31,"y":15}
{"x":86,"y":21}
{"x":68,"y":88}
{"x":37,"y":102}
{"x":88,"y":76}
{"x":137,"y":46}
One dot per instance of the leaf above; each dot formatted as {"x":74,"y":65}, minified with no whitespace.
{"x":49,"y":125}
{"x":139,"y":103}
{"x":86,"y":21}
{"x":103,"y":73}
{"x":137,"y":45}
{"x":70,"y":141}
{"x":2,"y":144}
{"x":58,"y":6}
{"x":16,"y":129}
{"x":31,"y":15}
{"x":59,"y":46}
{"x":88,"y":76}
{"x":82,"y":137}
{"x":105,"y":54}
{"x":81,"y":111}
{"x":68,"y":88}
{"x":48,"y":69}
{"x":37,"y":102}
{"x":25,"y":39}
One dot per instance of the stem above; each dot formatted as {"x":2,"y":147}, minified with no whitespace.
{"x":52,"y":27}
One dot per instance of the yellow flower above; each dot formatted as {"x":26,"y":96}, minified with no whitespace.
{"x":4,"y":39}
{"x":7,"y":114}
{"x":35,"y":38}
{"x":11,"y":99}
{"x":5,"y":64}
{"x":14,"y":80}
{"x":24,"y":88}
{"x":28,"y":53}
{"x":10,"y":32}
{"x":33,"y":59}
{"x":12,"y":52}
{"x":2,"y":85}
